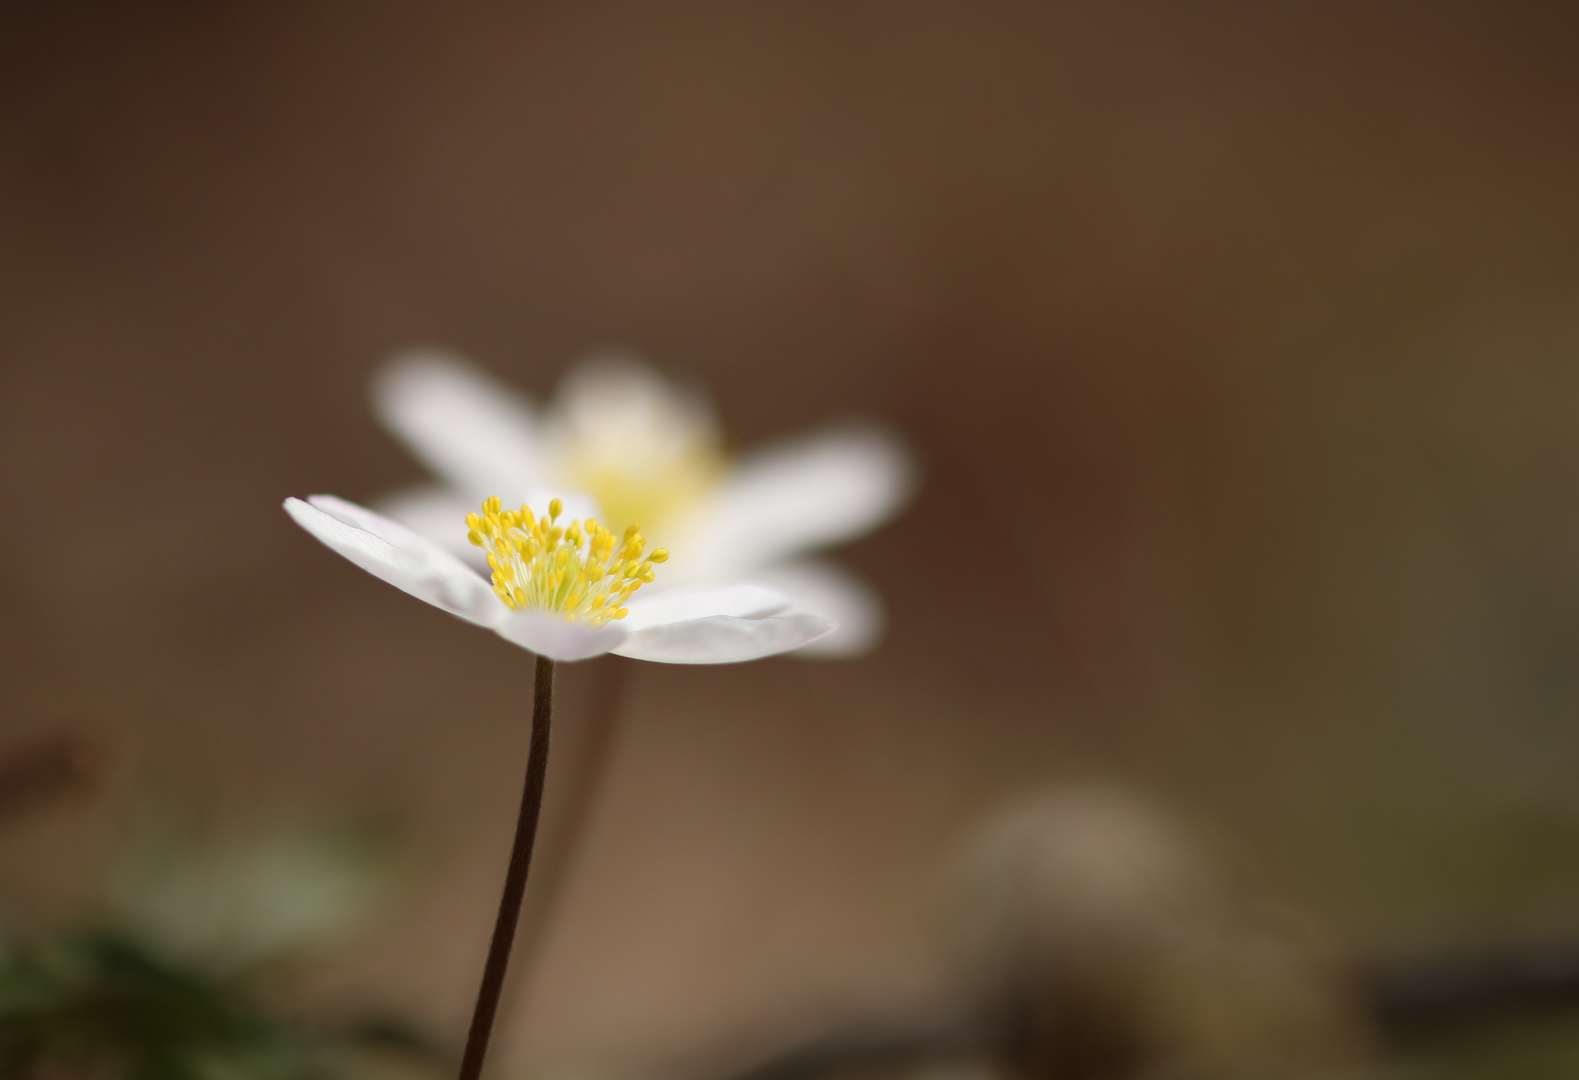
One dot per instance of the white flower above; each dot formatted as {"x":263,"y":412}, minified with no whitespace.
{"x":564,"y":591}
{"x":650,"y":453}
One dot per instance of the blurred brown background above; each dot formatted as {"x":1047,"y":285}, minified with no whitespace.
{"x":1239,"y":342}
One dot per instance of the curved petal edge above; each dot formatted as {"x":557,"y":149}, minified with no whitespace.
{"x":393,"y":553}
{"x":723,"y":639}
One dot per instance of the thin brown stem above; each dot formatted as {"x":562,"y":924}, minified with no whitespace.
{"x":581,"y":790}
{"x":515,"y":877}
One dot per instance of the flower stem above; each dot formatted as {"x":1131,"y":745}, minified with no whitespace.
{"x":514,"y":878}
{"x":564,"y":839}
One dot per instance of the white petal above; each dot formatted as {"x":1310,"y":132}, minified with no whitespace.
{"x":371,"y":521}
{"x":575,"y":504}
{"x":828,"y":589}
{"x":475,"y":432}
{"x":391,"y":551}
{"x":675,"y":605}
{"x":559,"y":638}
{"x":439,"y":513}
{"x":616,"y":412}
{"x":723,"y":639}
{"x":817,"y":491}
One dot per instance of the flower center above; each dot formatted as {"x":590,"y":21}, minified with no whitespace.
{"x":646,"y":490}
{"x":645,"y":450}
{"x":580,"y":570}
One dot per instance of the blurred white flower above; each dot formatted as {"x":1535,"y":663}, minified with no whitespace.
{"x":566,"y":592}
{"x":650,"y":453}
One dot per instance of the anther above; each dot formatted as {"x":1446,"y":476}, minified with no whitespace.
{"x":579,"y":569}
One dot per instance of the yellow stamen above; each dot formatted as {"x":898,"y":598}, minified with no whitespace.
{"x":580,"y":570}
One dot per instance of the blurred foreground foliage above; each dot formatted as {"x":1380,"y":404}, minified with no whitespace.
{"x":1094,"y":941}
{"x":183,"y":971}
{"x":100,"y":1003}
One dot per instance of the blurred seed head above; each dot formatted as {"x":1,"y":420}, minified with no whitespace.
{"x":1094,"y":932}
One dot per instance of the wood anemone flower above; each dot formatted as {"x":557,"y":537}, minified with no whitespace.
{"x":647,"y":450}
{"x":565,"y":589}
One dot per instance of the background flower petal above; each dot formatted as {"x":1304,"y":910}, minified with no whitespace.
{"x":819,"y":490}
{"x":723,"y":639}
{"x":557,"y":637}
{"x":389,"y":550}
{"x":677,"y":605}
{"x":437,"y":512}
{"x":826,"y":588}
{"x":472,"y":430}
{"x":618,"y":399}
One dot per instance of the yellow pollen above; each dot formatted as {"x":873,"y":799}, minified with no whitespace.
{"x":580,"y":570}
